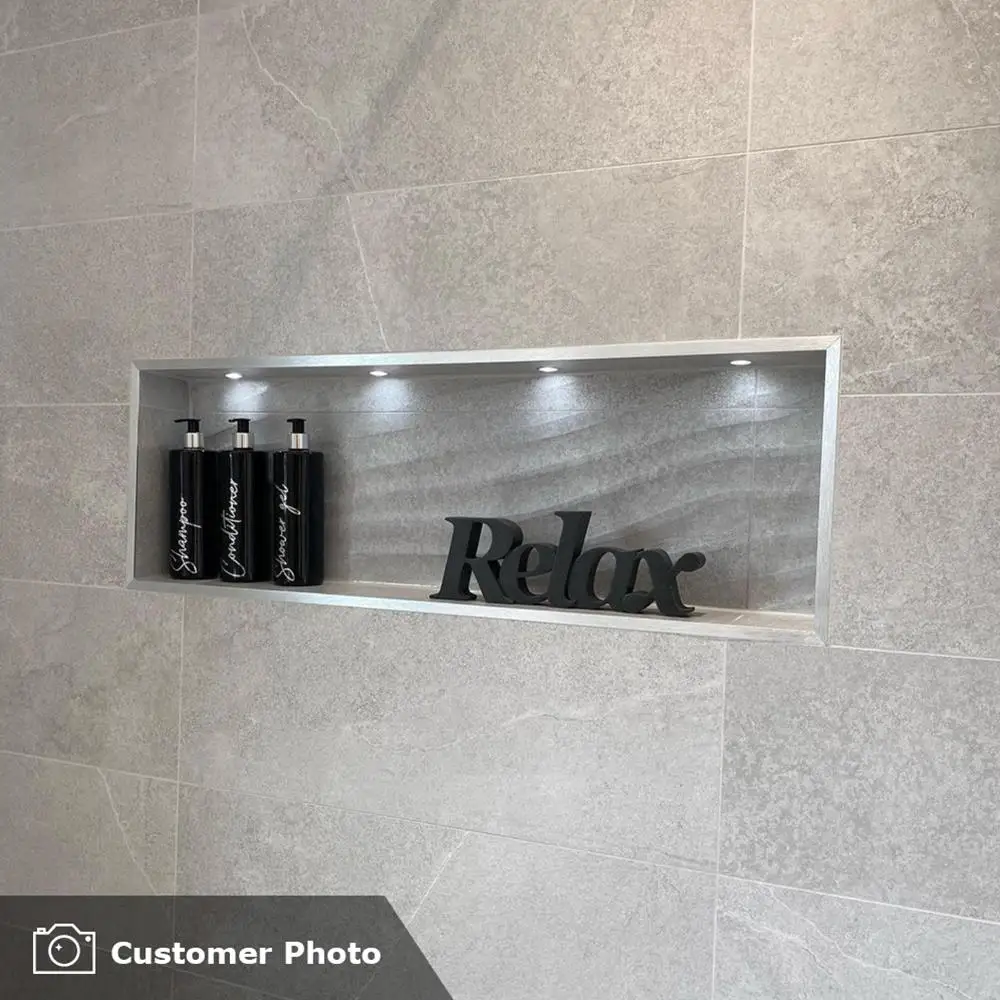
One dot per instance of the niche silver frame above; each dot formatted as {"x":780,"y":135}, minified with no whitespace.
{"x":715,"y":623}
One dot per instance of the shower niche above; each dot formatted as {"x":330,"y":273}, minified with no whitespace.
{"x":671,"y":445}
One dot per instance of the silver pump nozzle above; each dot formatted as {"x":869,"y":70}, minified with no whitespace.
{"x":193,"y":438}
{"x":242,"y":438}
{"x":298,"y":440}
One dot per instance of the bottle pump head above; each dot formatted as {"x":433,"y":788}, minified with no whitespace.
{"x":298,"y":440}
{"x":242,"y":438}
{"x":193,"y":438}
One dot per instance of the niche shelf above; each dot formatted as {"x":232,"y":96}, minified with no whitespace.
{"x":668,"y":444}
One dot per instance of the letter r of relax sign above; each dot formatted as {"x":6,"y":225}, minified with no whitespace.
{"x":505,"y":571}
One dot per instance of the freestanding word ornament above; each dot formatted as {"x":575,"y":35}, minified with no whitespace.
{"x":503,"y":572}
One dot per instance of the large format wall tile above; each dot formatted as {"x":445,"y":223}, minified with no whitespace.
{"x":246,"y":845}
{"x":82,"y":301}
{"x":27,"y":23}
{"x":69,"y":829}
{"x":915,"y":525}
{"x":839,"y":69}
{"x":572,"y":736}
{"x":99,"y":127}
{"x":281,"y":279}
{"x":299,"y":99}
{"x":591,"y":83}
{"x":513,"y":921}
{"x":595,"y":257}
{"x":90,"y":675}
{"x":866,"y":774}
{"x":62,"y":490}
{"x":784,"y":945}
{"x":888,"y":244}
{"x":263,"y":135}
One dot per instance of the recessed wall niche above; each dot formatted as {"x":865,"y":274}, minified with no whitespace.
{"x":670,"y":445}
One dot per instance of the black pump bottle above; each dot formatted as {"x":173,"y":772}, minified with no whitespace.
{"x":193,"y":549}
{"x":297,"y":512}
{"x":243,"y":510}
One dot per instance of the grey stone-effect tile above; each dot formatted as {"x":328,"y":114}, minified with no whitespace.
{"x":281,"y":279}
{"x":514,"y":921}
{"x":788,"y":388}
{"x":778,"y":944}
{"x":864,"y":774}
{"x":62,"y":488}
{"x":70,"y":829}
{"x":783,"y":535}
{"x":299,"y":99}
{"x":263,"y":134}
{"x":27,"y":23}
{"x":90,"y":675}
{"x":98,"y":128}
{"x":848,"y":68}
{"x":82,"y":301}
{"x":239,"y":845}
{"x":475,"y":94}
{"x":892,"y":246}
{"x":511,"y":728}
{"x":597,"y":257}
{"x":915,"y":525}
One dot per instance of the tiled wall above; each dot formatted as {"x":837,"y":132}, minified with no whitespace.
{"x":634,"y":815}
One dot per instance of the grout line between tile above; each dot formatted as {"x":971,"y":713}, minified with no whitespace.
{"x":746,"y":178}
{"x":364,"y":269}
{"x":89,"y":767}
{"x":180,"y":717}
{"x":671,"y":865}
{"x":876,"y":138}
{"x":857,"y":649}
{"x":542,"y":174}
{"x":861,"y":900}
{"x":100,"y":34}
{"x":913,"y":395}
{"x":64,"y":583}
{"x":718,"y":823}
{"x":96,"y":221}
{"x":488,"y":180}
{"x":520,"y":840}
{"x":916,"y":652}
{"x":53,"y":406}
{"x":194,"y":169}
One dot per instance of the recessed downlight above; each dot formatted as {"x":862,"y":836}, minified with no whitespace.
{"x":235,"y":376}
{"x":548,"y":369}
{"x":741,"y":362}
{"x":378,"y":373}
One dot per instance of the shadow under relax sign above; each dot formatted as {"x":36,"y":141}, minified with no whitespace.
{"x":503,"y":572}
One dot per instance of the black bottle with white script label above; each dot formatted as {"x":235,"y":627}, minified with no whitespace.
{"x":297,"y":512}
{"x":244,"y":554}
{"x":193,"y":548}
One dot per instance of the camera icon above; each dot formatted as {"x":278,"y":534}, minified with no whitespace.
{"x":64,"y":950}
